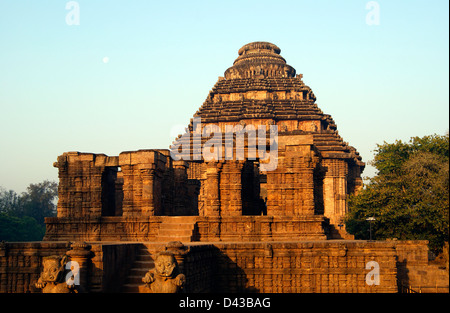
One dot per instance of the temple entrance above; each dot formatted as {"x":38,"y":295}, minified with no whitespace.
{"x":112,"y":193}
{"x":252,"y":202}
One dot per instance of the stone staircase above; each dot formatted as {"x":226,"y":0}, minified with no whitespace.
{"x":335,"y":233}
{"x":172,"y":228}
{"x":177,"y":228}
{"x":143,"y":263}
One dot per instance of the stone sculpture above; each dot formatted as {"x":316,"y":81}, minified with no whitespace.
{"x":165,"y":277}
{"x":53,"y":276}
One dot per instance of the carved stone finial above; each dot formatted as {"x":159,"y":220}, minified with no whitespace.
{"x":176,"y":247}
{"x":259,"y":60}
{"x":80,"y":249}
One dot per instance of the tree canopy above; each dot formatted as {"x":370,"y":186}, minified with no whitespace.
{"x":409,"y":194}
{"x":22,"y":216}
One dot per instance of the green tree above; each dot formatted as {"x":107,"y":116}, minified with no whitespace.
{"x":39,"y":200}
{"x":22,"y":217}
{"x":9,"y":202}
{"x":409,"y":195}
{"x":14,"y":228}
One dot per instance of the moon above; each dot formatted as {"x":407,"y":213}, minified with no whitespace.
{"x":105,"y":60}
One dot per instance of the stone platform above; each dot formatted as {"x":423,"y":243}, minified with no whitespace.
{"x":187,"y":228}
{"x":313,"y":266}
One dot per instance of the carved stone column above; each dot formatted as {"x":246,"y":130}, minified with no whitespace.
{"x":335,"y":190}
{"x":231,"y":188}
{"x":307,"y":193}
{"x":212,"y":207}
{"x":181,"y":205}
{"x":148,"y":179}
{"x":82,"y":254}
{"x":128,"y":181}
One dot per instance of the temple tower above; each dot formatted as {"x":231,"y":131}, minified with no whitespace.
{"x":315,"y":169}
{"x":259,"y":161}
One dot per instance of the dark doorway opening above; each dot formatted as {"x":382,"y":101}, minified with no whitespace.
{"x":112,"y":192}
{"x":252,"y":202}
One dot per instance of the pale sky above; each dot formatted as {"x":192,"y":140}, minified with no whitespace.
{"x":127,"y":73}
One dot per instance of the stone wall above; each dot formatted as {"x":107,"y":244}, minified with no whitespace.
{"x":337,"y":266}
{"x":21,"y":264}
{"x":227,"y":228}
{"x":260,"y":228}
{"x":299,"y":267}
{"x":198,"y":266}
{"x":103,"y":228}
{"x":290,"y":188}
{"x":416,"y":273}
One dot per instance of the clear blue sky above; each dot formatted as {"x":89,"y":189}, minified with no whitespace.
{"x":379,"y":82}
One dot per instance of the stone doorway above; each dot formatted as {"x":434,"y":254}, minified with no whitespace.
{"x":252,"y":201}
{"x":112,"y":191}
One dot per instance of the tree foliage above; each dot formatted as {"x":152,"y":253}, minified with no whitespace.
{"x":14,"y":228}
{"x":38,"y":200}
{"x":409,"y":195}
{"x":22,"y":216}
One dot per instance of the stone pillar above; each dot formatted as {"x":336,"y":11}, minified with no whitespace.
{"x":212,"y":207}
{"x":80,"y":184}
{"x":63,"y":206}
{"x":82,"y":254}
{"x":148,"y":179}
{"x":307,"y":193}
{"x":274,"y":192}
{"x":231,"y":188}
{"x":96,"y":191}
{"x":142,"y":171}
{"x":335,"y":190}
{"x":290,"y":188}
{"x":181,"y":205}
{"x":128,"y":183}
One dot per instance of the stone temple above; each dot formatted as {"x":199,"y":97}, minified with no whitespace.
{"x":303,"y":196}
{"x":251,"y":198}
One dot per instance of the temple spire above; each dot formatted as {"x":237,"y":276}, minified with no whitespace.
{"x":259,"y":60}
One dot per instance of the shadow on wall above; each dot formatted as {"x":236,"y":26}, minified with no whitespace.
{"x":117,"y":260}
{"x":206,"y":268}
{"x":402,"y":276}
{"x":229,"y":277}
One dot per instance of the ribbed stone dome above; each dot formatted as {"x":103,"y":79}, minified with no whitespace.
{"x":259,"y":60}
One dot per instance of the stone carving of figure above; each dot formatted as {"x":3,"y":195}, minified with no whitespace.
{"x":53,"y":276}
{"x":165,"y":277}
